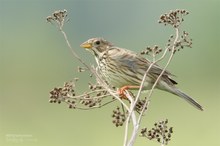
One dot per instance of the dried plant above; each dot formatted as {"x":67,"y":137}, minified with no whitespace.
{"x":119,"y":116}
{"x":160,"y":132}
{"x":101,"y":93}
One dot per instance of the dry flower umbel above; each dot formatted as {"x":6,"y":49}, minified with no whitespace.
{"x":87,"y":100}
{"x":153,"y":50}
{"x":119,"y":117}
{"x":173,"y":18}
{"x":160,"y":132}
{"x":59,"y":17}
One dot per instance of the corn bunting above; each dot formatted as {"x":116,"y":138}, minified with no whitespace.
{"x":124,"y":69}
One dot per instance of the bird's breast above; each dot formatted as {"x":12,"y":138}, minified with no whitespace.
{"x":119,"y":75}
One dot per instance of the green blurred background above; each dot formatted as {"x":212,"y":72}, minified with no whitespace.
{"x":34,"y":58}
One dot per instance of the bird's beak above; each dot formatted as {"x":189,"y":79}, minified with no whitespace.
{"x":86,"y":45}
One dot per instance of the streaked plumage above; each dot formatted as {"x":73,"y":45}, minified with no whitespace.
{"x":121,"y":67}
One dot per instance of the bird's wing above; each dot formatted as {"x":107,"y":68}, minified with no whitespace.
{"x":156,"y":71}
{"x":137,"y":64}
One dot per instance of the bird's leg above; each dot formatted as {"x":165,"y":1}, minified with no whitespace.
{"x":122,"y":90}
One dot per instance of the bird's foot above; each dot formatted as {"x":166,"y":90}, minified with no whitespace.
{"x":122,"y":90}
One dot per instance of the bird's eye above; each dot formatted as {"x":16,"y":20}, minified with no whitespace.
{"x":97,"y":42}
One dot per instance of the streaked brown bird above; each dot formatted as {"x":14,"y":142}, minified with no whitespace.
{"x":124,"y":69}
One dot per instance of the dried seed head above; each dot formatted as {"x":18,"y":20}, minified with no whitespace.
{"x":159,"y":132}
{"x":118,"y":117}
{"x":173,"y":18}
{"x":58,"y":17}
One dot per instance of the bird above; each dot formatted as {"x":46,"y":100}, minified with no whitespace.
{"x":124,"y":69}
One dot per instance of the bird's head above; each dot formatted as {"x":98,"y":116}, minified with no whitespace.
{"x":96,"y":45}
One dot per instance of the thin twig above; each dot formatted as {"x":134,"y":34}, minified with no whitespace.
{"x":94,"y":107}
{"x":132,"y":115}
{"x":89,"y":93}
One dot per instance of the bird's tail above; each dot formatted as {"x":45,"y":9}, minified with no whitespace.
{"x":189,"y":99}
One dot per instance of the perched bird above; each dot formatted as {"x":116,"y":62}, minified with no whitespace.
{"x":124,"y":69}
